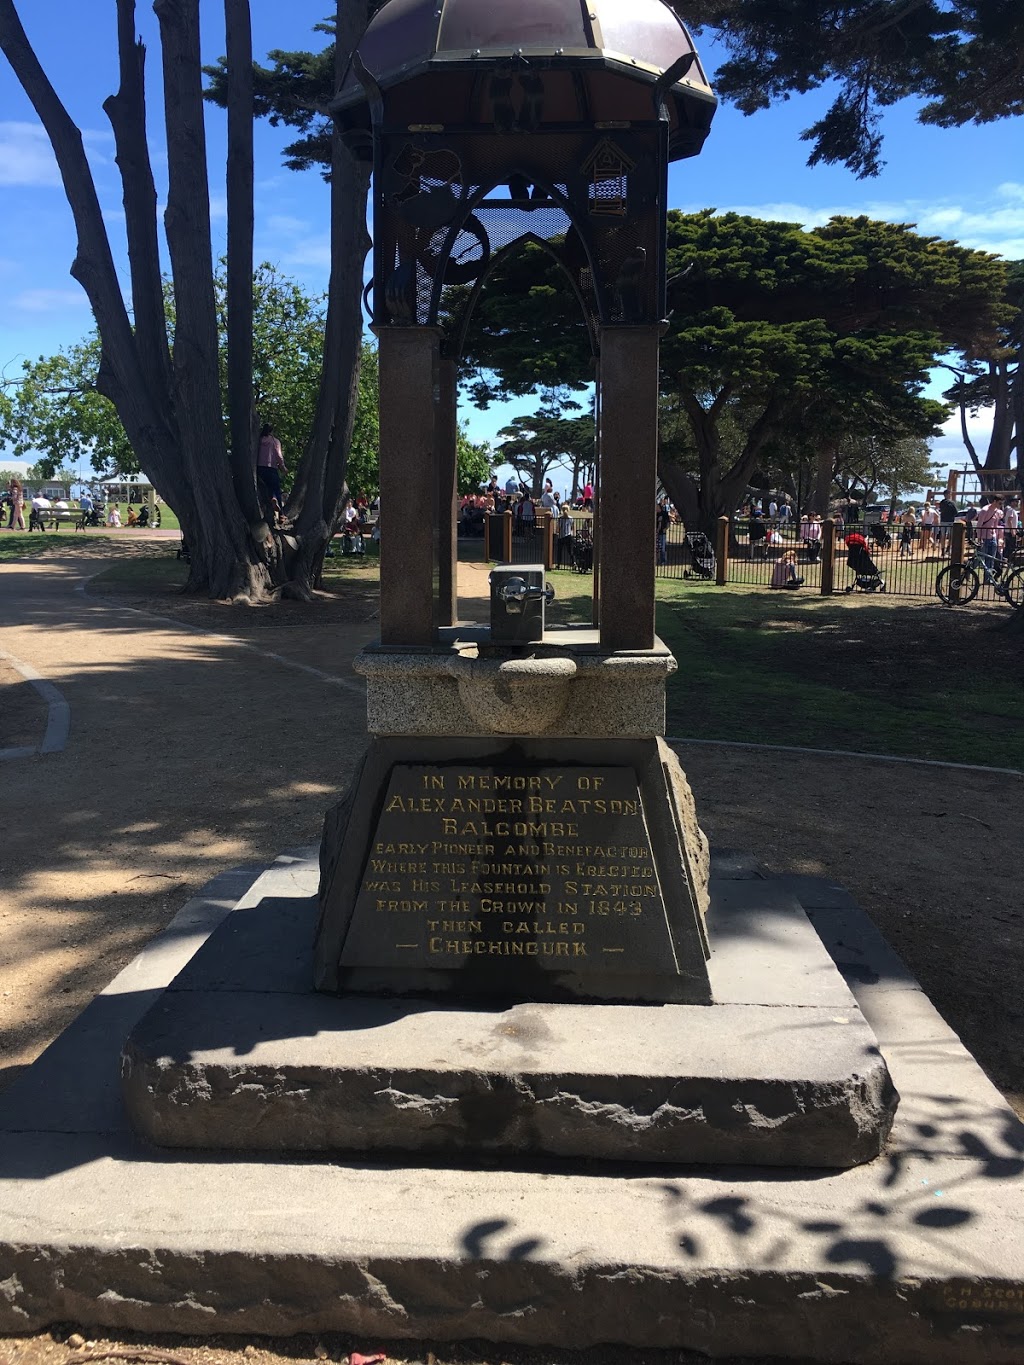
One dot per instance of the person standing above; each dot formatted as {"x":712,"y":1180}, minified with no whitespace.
{"x":547,"y":498}
{"x":929,"y":525}
{"x":565,"y":533}
{"x":588,"y":498}
{"x":17,"y":506}
{"x":269,"y":467}
{"x":1011,"y":529}
{"x":988,"y":524}
{"x":908,"y":524}
{"x":663,"y":520}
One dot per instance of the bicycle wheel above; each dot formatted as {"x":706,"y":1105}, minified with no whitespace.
{"x":1013,"y":588}
{"x":956,"y":584}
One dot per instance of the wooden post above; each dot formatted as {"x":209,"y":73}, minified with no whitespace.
{"x":487,"y":537}
{"x":956,"y":543}
{"x":828,"y":556}
{"x":506,"y":538}
{"x":628,"y":485}
{"x":408,"y":361}
{"x":549,"y":542}
{"x":722,"y":551}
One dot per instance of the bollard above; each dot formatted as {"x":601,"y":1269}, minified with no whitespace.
{"x":956,"y":555}
{"x":506,"y":538}
{"x":722,"y":552}
{"x":828,"y":556}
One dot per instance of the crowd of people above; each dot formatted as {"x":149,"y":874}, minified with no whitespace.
{"x":515,"y":497}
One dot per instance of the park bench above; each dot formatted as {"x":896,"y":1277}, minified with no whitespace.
{"x":45,"y":517}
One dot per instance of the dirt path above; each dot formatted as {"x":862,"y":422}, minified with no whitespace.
{"x":186,"y":755}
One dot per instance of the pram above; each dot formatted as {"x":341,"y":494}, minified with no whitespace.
{"x":879,"y":533}
{"x":867,"y":578}
{"x":582,"y":554}
{"x":701,"y":556}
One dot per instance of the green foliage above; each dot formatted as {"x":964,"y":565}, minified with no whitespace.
{"x":527,"y":331}
{"x":55,"y":413}
{"x":533,"y":444}
{"x":962,"y":57}
{"x":363,"y":470}
{"x":54,"y":410}
{"x":874,"y":466}
{"x":801,"y":336}
{"x":474,"y":463}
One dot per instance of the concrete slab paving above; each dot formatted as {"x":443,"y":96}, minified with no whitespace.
{"x":916,"y":1258}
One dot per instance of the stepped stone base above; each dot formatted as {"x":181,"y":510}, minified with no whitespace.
{"x":240,"y":1053}
{"x":915,"y":1258}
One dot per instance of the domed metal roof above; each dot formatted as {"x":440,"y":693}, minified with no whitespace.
{"x":636,"y":39}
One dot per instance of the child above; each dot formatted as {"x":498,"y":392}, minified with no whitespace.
{"x":784,"y":574}
{"x":114,"y":515}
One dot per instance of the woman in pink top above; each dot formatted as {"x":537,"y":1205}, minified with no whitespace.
{"x":269,"y":464}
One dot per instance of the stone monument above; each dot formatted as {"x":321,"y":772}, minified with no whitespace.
{"x":513,"y":952}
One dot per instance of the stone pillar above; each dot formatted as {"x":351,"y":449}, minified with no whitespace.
{"x":447,"y":501}
{"x":628,"y":487}
{"x":408,"y":359}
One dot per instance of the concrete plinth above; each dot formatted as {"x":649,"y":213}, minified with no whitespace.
{"x":241,"y":1054}
{"x":916,"y":1258}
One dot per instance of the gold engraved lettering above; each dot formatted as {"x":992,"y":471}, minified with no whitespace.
{"x":433,"y":782}
{"x":467,"y":947}
{"x":401,"y":906}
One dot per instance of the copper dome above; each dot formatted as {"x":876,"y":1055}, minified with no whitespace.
{"x":627,"y":42}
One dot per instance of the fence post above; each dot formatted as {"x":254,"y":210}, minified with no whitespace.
{"x":956,"y":543}
{"x":549,"y":543}
{"x":722,"y":552}
{"x":828,"y":556}
{"x":956,"y":555}
{"x":487,"y":537}
{"x":506,"y":538}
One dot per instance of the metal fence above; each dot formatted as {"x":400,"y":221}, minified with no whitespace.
{"x":748,"y":551}
{"x":902,"y":561}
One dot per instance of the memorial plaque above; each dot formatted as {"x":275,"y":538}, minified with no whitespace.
{"x":511,"y":876}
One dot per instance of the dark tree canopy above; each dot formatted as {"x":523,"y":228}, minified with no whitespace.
{"x":964,"y":58}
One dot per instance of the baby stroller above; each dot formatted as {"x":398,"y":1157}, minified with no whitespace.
{"x":582,"y":554}
{"x":879,"y":533}
{"x":701,"y":555}
{"x":867,"y":578}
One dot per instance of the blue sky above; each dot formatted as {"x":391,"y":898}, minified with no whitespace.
{"x":965,"y":183}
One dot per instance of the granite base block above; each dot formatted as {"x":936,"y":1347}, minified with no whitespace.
{"x":241,"y":1054}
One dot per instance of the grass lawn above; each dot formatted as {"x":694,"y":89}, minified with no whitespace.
{"x":872,"y":675}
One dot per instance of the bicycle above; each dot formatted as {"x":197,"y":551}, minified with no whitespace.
{"x":958,"y":584}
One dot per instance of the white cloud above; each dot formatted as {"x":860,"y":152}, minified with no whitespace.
{"x":26,"y":157}
{"x":285,"y":225}
{"x":314,"y":252}
{"x":49,"y":300}
{"x":27,"y":160}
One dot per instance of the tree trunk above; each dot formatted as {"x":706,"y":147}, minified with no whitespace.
{"x":241,"y":417}
{"x":320,"y":484}
{"x":170,"y":405}
{"x":824,"y":473}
